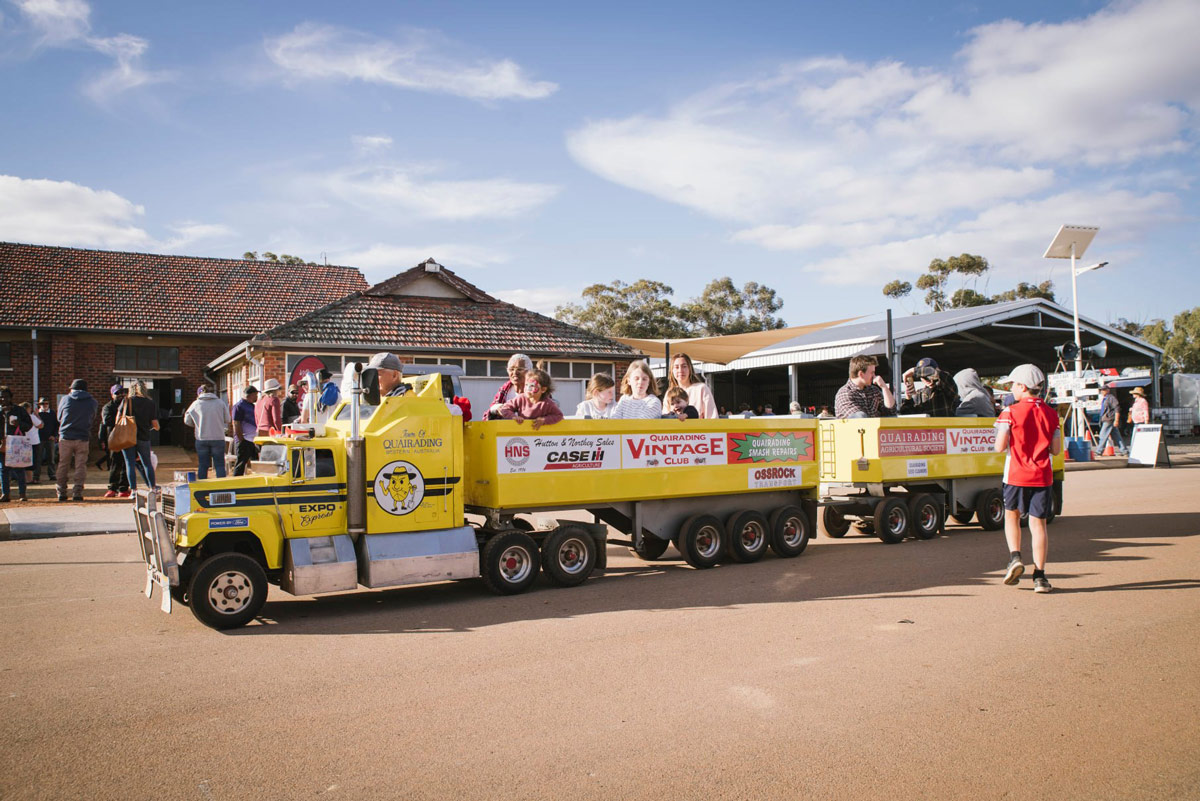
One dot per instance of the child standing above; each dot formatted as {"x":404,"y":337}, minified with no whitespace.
{"x":638,"y":401}
{"x":599,"y":402}
{"x":677,"y":400}
{"x":1029,"y":431}
{"x":534,"y":403}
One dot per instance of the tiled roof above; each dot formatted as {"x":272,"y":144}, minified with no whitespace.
{"x":69,"y":288}
{"x":411,"y":323}
{"x":398,"y":283}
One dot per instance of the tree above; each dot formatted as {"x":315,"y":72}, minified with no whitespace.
{"x":968,"y":267}
{"x":252,"y":255}
{"x":1183,"y":345}
{"x":722,"y":309}
{"x":642,"y":309}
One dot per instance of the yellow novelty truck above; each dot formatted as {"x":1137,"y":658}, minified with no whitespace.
{"x":903,"y":476}
{"x":380,"y":498}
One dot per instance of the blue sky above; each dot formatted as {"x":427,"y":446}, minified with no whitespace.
{"x":536,"y":148}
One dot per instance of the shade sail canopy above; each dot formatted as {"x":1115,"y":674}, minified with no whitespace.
{"x":725,"y":349}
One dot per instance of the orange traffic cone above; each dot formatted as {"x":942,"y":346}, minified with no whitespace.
{"x":1109,"y":450}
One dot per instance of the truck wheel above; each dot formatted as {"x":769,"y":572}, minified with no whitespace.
{"x":790,"y":531}
{"x":834,"y":522}
{"x":989,"y":507}
{"x":701,"y":541}
{"x":509,"y":563}
{"x":227,"y":591}
{"x":891,"y":520}
{"x":748,"y":535}
{"x":648,"y":546}
{"x":963,"y":519}
{"x":568,"y":556}
{"x":926,"y":515}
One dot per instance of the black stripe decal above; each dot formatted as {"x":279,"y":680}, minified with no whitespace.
{"x":282,"y":503}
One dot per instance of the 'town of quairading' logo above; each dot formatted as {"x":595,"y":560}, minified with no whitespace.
{"x":399,"y":487}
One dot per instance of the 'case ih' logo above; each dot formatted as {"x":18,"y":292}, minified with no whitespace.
{"x":399,"y":487}
{"x":516,"y":452}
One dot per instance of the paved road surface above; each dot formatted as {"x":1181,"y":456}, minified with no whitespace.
{"x":856,"y":671}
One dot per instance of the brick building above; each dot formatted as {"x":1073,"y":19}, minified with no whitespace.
{"x":111,"y":317}
{"x":425,"y":315}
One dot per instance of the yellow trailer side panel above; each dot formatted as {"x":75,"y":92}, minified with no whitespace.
{"x":902,"y":449}
{"x":580,"y":462}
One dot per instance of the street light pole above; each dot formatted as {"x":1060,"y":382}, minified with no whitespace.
{"x":1075,"y":309}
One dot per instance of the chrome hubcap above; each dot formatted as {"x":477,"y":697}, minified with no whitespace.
{"x":230,"y":592}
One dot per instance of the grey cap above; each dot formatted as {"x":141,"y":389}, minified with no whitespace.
{"x":385,"y":361}
{"x":78,"y":383}
{"x":1027,"y":374}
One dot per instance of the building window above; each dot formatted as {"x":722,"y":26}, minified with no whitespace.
{"x":499,"y":368}
{"x":560,"y":369}
{"x":5,"y":355}
{"x":139,"y":357}
{"x":477,"y":367}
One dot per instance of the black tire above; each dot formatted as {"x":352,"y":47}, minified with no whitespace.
{"x":569,"y":556}
{"x":891,"y":520}
{"x":748,"y":535}
{"x":963,"y":519}
{"x":228,"y":591}
{"x":989,"y":508}
{"x":1056,"y":491}
{"x":701,"y":540}
{"x":180,"y":594}
{"x":509,"y":563}
{"x":649,"y":547}
{"x":926,"y":516}
{"x":834,"y":522}
{"x":790,"y":531}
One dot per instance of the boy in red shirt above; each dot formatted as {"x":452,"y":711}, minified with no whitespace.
{"x":1029,"y":431}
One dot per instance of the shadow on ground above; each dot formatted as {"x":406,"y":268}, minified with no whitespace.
{"x":856,"y":567}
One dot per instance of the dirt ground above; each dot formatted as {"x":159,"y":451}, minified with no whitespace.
{"x":857,"y":671}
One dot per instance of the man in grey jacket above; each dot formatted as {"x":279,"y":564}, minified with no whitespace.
{"x":76,"y":412}
{"x":209,"y":415}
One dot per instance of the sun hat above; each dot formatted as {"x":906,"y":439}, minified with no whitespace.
{"x":1141,"y":393}
{"x":1029,"y":375}
{"x":271,"y":385}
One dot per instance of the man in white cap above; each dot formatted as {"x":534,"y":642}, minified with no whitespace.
{"x":268,"y":412}
{"x":389,"y":368}
{"x":1029,"y":431}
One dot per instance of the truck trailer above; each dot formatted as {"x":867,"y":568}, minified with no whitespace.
{"x":399,"y":490}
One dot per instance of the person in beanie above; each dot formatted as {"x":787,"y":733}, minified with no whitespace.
{"x":209,"y":415}
{"x":118,"y":481}
{"x":15,"y":421}
{"x":75,"y":414}
{"x":1029,"y":431}
{"x":291,"y":405}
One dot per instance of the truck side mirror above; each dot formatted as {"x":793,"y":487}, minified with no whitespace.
{"x":370,"y":385}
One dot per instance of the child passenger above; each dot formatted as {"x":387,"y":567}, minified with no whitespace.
{"x":599,"y":402}
{"x":638,"y":401}
{"x":534,"y":403}
{"x":677,"y":399}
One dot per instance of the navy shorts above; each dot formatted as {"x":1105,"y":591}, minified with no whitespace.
{"x":1033,"y":501}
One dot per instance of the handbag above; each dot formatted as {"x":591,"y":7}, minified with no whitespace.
{"x":124,"y":430}
{"x":18,"y":451}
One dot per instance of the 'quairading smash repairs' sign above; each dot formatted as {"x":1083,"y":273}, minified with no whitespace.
{"x":935,"y":441}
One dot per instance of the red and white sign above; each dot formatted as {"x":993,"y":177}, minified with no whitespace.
{"x":672,"y":450}
{"x":970,"y":440}
{"x":771,"y":477}
{"x":911,"y":441}
{"x":537,"y":454}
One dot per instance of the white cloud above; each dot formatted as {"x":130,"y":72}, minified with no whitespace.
{"x":543,"y":300}
{"x":66,"y":23}
{"x":382,"y":261}
{"x":44,"y":212}
{"x":64,"y":213}
{"x":870,"y":166}
{"x":387,"y":190}
{"x":368,"y":145}
{"x":313,"y":51}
